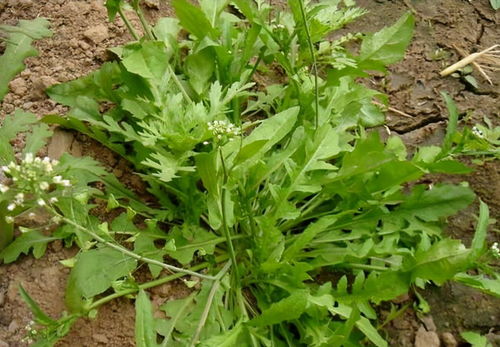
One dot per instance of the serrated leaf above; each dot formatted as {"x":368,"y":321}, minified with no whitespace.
{"x":95,"y":270}
{"x":441,"y":201}
{"x":13,"y":124}
{"x":388,"y":45}
{"x":18,"y":48}
{"x":287,"y":309}
{"x":24,"y":243}
{"x":177,"y":310}
{"x":145,"y":334}
{"x":37,"y":138}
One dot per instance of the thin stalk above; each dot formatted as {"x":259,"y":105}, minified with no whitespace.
{"x":179,"y":84}
{"x":210,"y":299}
{"x":128,"y":24}
{"x":144,"y":23}
{"x":130,"y":253}
{"x":152,"y":284}
{"x":315,"y":66}
{"x":224,"y":218}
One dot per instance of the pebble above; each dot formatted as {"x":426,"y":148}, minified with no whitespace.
{"x":13,"y":326}
{"x":426,"y":338}
{"x":42,"y":83}
{"x":97,"y":33}
{"x":18,"y":86}
{"x":449,"y":340}
{"x":429,"y":323}
{"x":3,"y":343}
{"x":100,"y":338}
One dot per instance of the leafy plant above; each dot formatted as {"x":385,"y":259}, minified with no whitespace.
{"x":18,"y":47}
{"x":261,"y":188}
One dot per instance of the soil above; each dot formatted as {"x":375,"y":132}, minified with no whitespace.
{"x":445,"y":30}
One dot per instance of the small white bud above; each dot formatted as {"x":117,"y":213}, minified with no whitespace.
{"x":44,"y":185}
{"x":9,"y":219}
{"x":31,"y":215}
{"x":206,"y":142}
{"x":53,"y":200}
{"x":11,"y":207}
{"x":41,"y":202}
{"x":66,"y":183}
{"x":5,"y":169}
{"x":3,"y":188}
{"x":28,"y":158}
{"x":57,"y":179}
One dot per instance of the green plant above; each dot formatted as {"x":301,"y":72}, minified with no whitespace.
{"x":18,"y":47}
{"x":260,"y":188}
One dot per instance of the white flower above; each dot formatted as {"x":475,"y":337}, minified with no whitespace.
{"x":55,"y":162}
{"x":56,"y":219}
{"x":66,"y":183}
{"x":37,"y":160}
{"x":3,"y":188}
{"x":206,"y":142}
{"x":44,"y":185}
{"x":41,"y":202}
{"x":495,"y":250}
{"x":19,"y":198}
{"x":53,"y":200}
{"x":57,"y":179}
{"x":11,"y":207}
{"x":28,"y":158}
{"x":477,"y":132}
{"x":5,"y":169}
{"x":9,"y":219}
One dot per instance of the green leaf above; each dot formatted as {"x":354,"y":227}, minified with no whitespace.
{"x":267,"y":134}
{"x":22,"y":244}
{"x":178,"y":310}
{"x":113,"y":6}
{"x":230,"y":338}
{"x":442,"y":261}
{"x":495,"y":4}
{"x":18,"y":122}
{"x":40,"y":316}
{"x":388,"y":45}
{"x":95,"y":271}
{"x":18,"y":47}
{"x":144,"y":245}
{"x":475,"y":339}
{"x":193,"y":19}
{"x":451,"y":129}
{"x":147,"y":59}
{"x":442,"y":200}
{"x":6,"y":229}
{"x":145,"y":334}
{"x":37,"y":138}
{"x":199,"y":68}
{"x":287,"y":309}
{"x":478,"y":242}
{"x":484,"y":284}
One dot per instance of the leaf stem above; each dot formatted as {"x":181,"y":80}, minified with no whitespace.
{"x":128,"y":24}
{"x":179,"y":84}
{"x":154,"y":283}
{"x":210,"y":299}
{"x":130,"y":253}
{"x":314,"y":65}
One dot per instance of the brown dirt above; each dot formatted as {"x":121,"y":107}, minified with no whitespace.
{"x":81,"y":36}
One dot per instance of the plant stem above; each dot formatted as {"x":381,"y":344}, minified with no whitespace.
{"x":128,"y":24}
{"x":152,"y":284}
{"x":315,"y":65}
{"x":224,"y":217}
{"x":210,"y":299}
{"x":179,"y":84}
{"x":144,"y":23}
{"x":130,"y":253}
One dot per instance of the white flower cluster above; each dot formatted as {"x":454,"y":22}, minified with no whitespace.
{"x":31,"y":333}
{"x":31,"y":170}
{"x":495,"y":250}
{"x":32,"y":179}
{"x":221,"y":128}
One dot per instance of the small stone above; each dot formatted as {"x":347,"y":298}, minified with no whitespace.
{"x":3,"y":343}
{"x":40,"y":84}
{"x":13,"y":326}
{"x":100,"y":338}
{"x":18,"y":86}
{"x":60,"y":143}
{"x":84,"y":45}
{"x":152,"y":4}
{"x":449,"y":340}
{"x":97,"y":33}
{"x":27,"y":105}
{"x":429,"y":323}
{"x":426,"y":338}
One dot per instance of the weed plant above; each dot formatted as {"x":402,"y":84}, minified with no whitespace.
{"x":250,"y":127}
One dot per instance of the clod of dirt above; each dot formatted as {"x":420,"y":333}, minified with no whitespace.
{"x":426,"y":338}
{"x":449,"y":340}
{"x":97,"y":33}
{"x":429,"y":323}
{"x":18,"y":86}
